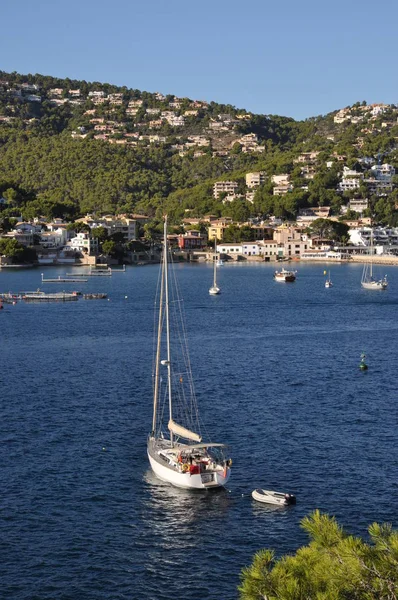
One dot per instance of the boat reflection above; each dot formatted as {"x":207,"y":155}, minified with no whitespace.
{"x":180,"y":507}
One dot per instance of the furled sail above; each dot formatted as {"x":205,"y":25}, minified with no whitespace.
{"x":183,"y":432}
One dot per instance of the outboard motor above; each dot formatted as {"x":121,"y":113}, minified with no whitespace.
{"x":290,"y":498}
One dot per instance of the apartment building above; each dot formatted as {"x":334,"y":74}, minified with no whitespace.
{"x":225,"y":187}
{"x":255,"y":179}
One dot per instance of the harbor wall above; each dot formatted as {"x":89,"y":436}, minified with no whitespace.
{"x":377,"y":259}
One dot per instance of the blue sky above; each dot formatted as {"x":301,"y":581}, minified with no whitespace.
{"x":294,"y":58}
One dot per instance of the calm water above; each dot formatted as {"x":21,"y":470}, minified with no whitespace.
{"x":276,"y":367}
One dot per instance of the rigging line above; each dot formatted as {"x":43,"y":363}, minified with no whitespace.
{"x":155,"y":324}
{"x":179,"y":316}
{"x":187,"y":361}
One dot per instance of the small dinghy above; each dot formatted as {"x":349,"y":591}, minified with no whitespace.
{"x":270,"y":497}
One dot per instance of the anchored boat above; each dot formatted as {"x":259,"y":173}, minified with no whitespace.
{"x":175,"y":448}
{"x":368,"y":281}
{"x":44,"y":297}
{"x":271,"y":497}
{"x":284,"y":275}
{"x":214,"y":290}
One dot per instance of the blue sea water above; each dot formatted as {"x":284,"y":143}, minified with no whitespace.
{"x":277,"y":378}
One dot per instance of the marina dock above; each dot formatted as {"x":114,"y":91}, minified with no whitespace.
{"x":44,"y":297}
{"x":60,"y":279}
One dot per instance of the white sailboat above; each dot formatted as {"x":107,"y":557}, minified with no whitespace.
{"x":214,"y":290}
{"x":368,"y":281}
{"x":328,"y":282}
{"x":178,"y":455}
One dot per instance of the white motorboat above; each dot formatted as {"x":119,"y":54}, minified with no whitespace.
{"x":175,"y":448}
{"x":271,"y":497}
{"x":368,"y":281}
{"x":284,"y":275}
{"x":215,"y":290}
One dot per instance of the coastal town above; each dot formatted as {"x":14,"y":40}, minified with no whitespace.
{"x":309,"y":238}
{"x":263,"y":188}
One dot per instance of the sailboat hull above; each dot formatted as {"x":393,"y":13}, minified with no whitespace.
{"x":213,"y":291}
{"x":374,"y":285}
{"x":199,"y":481}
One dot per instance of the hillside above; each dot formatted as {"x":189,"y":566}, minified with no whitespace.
{"x":71,"y":147}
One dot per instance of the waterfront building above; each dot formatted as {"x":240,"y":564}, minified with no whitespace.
{"x":192,"y":240}
{"x":56,"y":238}
{"x":324,"y":255}
{"x":113,"y":224}
{"x":287,"y":233}
{"x":233,"y":250}
{"x":83,"y":242}
{"x":217,"y":228}
{"x":295,"y":248}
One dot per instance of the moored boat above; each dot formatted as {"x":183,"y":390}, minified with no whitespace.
{"x":328,"y":282}
{"x":175,"y":448}
{"x":98,"y":296}
{"x":368,"y":281}
{"x":285,"y":275}
{"x":271,"y":497}
{"x":40,"y":296}
{"x":214,"y":290}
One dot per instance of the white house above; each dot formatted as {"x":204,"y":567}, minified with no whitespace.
{"x":282,"y":189}
{"x":251,"y":249}
{"x":54,"y":239}
{"x":358,"y":205}
{"x":383,"y":172}
{"x":175,"y":121}
{"x":231,"y":249}
{"x":280,"y":179}
{"x":379,"y":109}
{"x":83,"y":242}
{"x":351,"y":180}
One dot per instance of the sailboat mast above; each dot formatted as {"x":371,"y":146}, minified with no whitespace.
{"x":215,"y":263}
{"x":371,"y":252}
{"x":166,"y":286}
{"x":157,"y":360}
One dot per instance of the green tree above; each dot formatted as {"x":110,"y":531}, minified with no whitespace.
{"x":7,"y":224}
{"x":99,"y":233}
{"x":232,"y":234}
{"x":334,"y":566}
{"x":10,"y":247}
{"x":109,"y":247}
{"x":118,"y":237}
{"x":78,"y":227}
{"x":327,"y":229}
{"x":18,"y":253}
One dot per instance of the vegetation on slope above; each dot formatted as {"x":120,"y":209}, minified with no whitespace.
{"x":46,"y":171}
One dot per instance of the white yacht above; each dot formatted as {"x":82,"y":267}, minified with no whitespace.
{"x":368,"y":281}
{"x":176,"y":450}
{"x":214,"y":290}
